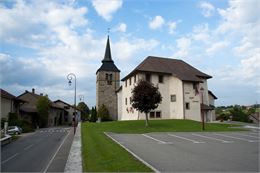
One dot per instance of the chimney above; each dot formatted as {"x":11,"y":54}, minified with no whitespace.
{"x":33,"y":91}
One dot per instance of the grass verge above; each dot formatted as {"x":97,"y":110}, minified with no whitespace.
{"x":101,"y":154}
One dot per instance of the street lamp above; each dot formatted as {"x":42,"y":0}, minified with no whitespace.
{"x":70,"y":77}
{"x":201,"y":107}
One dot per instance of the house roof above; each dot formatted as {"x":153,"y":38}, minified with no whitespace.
{"x":62,"y":102}
{"x":211,"y":93}
{"x":6,"y":94}
{"x":176,"y":67}
{"x":107,"y":62}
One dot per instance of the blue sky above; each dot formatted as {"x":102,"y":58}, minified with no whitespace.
{"x":42,"y":41}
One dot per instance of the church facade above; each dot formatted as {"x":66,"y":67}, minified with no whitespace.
{"x":107,"y":83}
{"x":184,"y":89}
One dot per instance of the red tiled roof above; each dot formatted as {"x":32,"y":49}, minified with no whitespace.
{"x":175,"y":67}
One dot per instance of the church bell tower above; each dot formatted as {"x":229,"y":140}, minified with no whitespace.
{"x":108,"y":81}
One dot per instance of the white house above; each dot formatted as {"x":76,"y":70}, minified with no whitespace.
{"x":184,"y":91}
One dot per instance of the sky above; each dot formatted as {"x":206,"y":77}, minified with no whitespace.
{"x":42,"y":41}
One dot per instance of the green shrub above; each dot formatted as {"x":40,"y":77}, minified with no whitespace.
{"x":13,"y":119}
{"x":103,"y":113}
{"x":26,"y":126}
{"x":93,"y":117}
{"x":223,"y":117}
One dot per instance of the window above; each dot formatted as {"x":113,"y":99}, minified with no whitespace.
{"x":152,"y":115}
{"x":158,"y":114}
{"x":187,"y":106}
{"x":160,"y":78}
{"x":130,"y":100}
{"x":130,"y":81}
{"x":125,"y":101}
{"x":135,"y":79}
{"x":148,"y":77}
{"x":125,"y":83}
{"x":173,"y":98}
{"x":109,"y":79}
{"x":106,"y":76}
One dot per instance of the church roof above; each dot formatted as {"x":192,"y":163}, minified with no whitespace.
{"x":107,"y":62}
{"x":175,"y":67}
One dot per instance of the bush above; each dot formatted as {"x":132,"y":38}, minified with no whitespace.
{"x":93,"y":117}
{"x":103,"y":113}
{"x":13,"y":119}
{"x":26,"y":126}
{"x":223,"y":117}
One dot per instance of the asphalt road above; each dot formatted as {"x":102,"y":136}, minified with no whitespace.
{"x":194,"y":152}
{"x":44,"y":150}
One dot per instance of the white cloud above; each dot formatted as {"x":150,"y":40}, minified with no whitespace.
{"x":183,"y":47}
{"x":120,"y":28}
{"x":218,"y":46}
{"x":201,"y":33}
{"x":125,"y":49}
{"x":207,"y":8}
{"x":106,"y":8}
{"x":157,"y":22}
{"x":172,"y":27}
{"x":238,"y":14}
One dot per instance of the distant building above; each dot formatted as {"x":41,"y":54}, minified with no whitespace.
{"x":184,"y":91}
{"x":108,"y":81}
{"x":9,"y":104}
{"x":28,"y":110}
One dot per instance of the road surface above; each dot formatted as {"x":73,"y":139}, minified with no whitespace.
{"x":44,"y":150}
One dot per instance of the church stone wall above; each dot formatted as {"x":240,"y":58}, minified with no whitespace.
{"x":106,"y":92}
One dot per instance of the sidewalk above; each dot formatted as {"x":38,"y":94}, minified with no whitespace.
{"x":74,"y":162}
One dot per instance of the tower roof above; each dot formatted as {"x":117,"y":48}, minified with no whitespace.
{"x":107,"y":62}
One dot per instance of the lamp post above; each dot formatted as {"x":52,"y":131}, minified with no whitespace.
{"x":202,"y":113}
{"x":70,"y":77}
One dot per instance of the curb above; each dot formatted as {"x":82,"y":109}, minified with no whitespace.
{"x":74,"y":162}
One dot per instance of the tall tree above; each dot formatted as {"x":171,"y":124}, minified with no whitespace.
{"x":145,"y":97}
{"x":93,"y":117}
{"x":43,"y":106}
{"x":83,"y":107}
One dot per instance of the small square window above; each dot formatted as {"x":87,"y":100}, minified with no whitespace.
{"x":187,"y":106}
{"x":152,"y":115}
{"x":160,"y":78}
{"x":173,"y":98}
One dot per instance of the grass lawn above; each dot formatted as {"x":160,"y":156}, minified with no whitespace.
{"x":101,"y":154}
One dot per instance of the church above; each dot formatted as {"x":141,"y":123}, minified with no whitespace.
{"x":184,"y":89}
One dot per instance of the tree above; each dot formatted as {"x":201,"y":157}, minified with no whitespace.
{"x":93,"y":117}
{"x":83,"y":107}
{"x":103,"y":113}
{"x":43,"y":106}
{"x":145,"y":97}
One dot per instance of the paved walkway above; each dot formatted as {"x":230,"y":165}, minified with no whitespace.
{"x":74,"y":162}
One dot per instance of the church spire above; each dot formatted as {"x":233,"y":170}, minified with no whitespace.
{"x":107,"y":57}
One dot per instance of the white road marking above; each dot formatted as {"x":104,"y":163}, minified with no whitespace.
{"x":223,"y":141}
{"x":13,"y":156}
{"x":161,"y":142}
{"x":45,"y":170}
{"x":196,"y":142}
{"x":247,"y":135}
{"x":242,"y":139}
{"x":26,"y":148}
